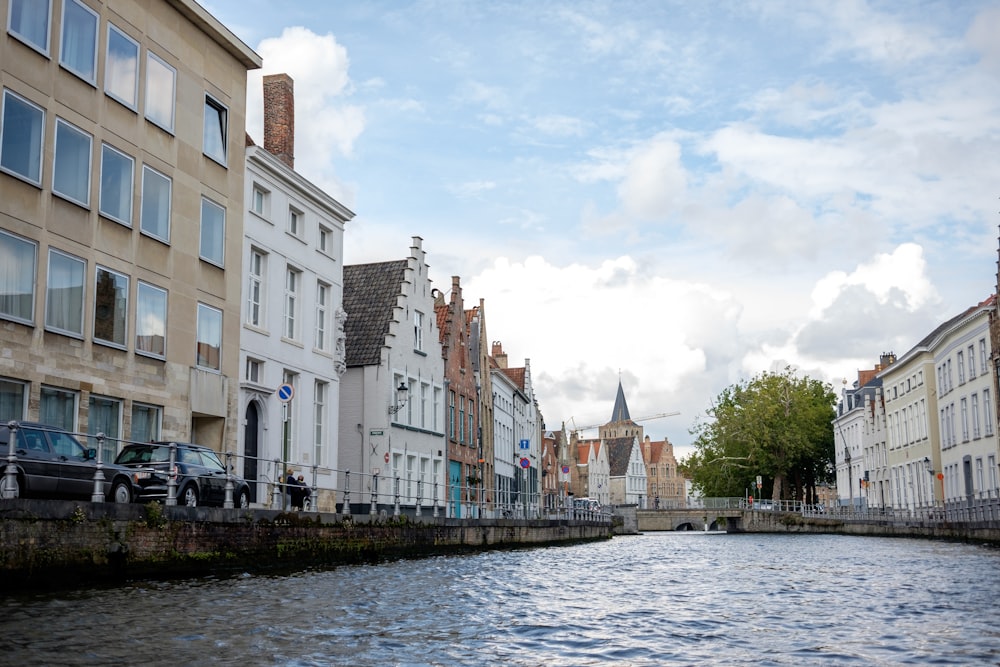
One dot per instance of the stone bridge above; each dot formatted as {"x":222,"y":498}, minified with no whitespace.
{"x":729,"y":520}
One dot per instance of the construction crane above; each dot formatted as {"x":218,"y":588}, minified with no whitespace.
{"x":577,"y":429}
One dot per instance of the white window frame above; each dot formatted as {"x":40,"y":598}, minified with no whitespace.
{"x":107,"y":150}
{"x":18,"y":285}
{"x":60,"y":291}
{"x":119,"y":311}
{"x":15,"y":407}
{"x":256,"y":271}
{"x":215,"y":135}
{"x":22,"y":36}
{"x":296,"y":221}
{"x":151,"y":415}
{"x":254,"y":370}
{"x":209,"y":335}
{"x":323,"y":292}
{"x":319,"y":420}
{"x":157,"y":71}
{"x":12,"y":154}
{"x":260,"y":201}
{"x":85,"y":70}
{"x":68,"y":158}
{"x":117,"y":72}
{"x":292,"y":279}
{"x":418,"y":330}
{"x":58,"y":407}
{"x":212,"y":246}
{"x":112,"y":428}
{"x":148,"y":228}
{"x":325,"y":240}
{"x":151,"y":310}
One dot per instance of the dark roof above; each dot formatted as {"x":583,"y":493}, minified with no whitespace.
{"x":370,"y":293}
{"x":619,"y":453}
{"x":620,"y":413}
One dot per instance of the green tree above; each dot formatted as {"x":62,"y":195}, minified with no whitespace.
{"x":775,"y":425}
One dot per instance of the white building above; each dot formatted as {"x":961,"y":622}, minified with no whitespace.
{"x":392,"y":427}
{"x":965,"y":407}
{"x":292,"y":316}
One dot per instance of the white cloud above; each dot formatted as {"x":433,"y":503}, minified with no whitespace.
{"x":325,"y":122}
{"x":655,"y":180}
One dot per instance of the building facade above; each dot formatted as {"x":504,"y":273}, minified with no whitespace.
{"x":292,"y":313}
{"x":121,"y":218}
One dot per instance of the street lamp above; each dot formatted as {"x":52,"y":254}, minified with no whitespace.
{"x":400,"y":399}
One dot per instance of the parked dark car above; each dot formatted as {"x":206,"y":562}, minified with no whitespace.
{"x":51,"y":463}
{"x":201,"y":477}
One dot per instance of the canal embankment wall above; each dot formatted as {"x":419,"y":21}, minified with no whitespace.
{"x":789,"y":522}
{"x":52,"y":543}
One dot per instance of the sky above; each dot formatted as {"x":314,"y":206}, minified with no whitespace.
{"x":675,"y":195}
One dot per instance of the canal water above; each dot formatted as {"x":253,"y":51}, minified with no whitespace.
{"x":655,"y":599}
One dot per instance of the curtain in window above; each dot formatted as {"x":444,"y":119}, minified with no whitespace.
{"x":57,"y":408}
{"x":30,"y":20}
{"x":17,"y":277}
{"x":145,"y":423}
{"x":11,"y":401}
{"x":79,"y":40}
{"x":64,"y":295}
{"x":104,"y":416}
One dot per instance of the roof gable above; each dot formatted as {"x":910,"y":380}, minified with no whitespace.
{"x":371,"y":292}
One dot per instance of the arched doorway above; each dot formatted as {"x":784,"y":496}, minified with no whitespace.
{"x":250,"y":448}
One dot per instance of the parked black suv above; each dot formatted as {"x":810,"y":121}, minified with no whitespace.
{"x":51,"y":463}
{"x":201,"y":477}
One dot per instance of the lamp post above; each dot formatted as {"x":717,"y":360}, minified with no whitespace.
{"x":400,"y":398}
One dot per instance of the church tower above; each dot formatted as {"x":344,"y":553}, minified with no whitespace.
{"x":621,"y":424}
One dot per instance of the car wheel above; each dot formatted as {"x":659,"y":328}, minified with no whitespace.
{"x":189,"y":496}
{"x":6,"y":486}
{"x":121,"y":492}
{"x":243,"y":502}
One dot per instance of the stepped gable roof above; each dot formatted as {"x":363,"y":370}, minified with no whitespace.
{"x":655,"y":451}
{"x":441,"y":312}
{"x":619,"y":453}
{"x":620,"y":412}
{"x":370,"y":295}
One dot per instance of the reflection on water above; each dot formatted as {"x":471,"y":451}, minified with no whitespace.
{"x":658,"y":599}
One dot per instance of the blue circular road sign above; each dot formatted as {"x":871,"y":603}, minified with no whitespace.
{"x":285,"y":392}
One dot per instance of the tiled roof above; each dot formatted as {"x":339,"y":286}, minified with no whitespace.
{"x":516,"y":375}
{"x":441,"y":311}
{"x":370,"y":293}
{"x":619,"y":453}
{"x":655,"y":451}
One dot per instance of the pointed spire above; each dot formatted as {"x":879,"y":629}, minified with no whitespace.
{"x":620,"y":413}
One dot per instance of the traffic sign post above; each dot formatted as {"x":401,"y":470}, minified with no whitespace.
{"x":285,"y":392}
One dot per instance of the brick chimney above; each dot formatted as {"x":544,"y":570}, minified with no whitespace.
{"x":279,"y":117}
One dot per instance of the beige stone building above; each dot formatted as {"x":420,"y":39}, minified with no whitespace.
{"x":122,"y":129}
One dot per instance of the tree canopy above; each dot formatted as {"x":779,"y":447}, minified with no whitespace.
{"x":776,"y":425}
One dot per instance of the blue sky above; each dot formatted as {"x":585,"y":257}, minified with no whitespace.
{"x":679,"y":194}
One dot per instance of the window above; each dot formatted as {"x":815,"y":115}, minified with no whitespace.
{"x":961,"y":367}
{"x":254,"y":370}
{"x":291,"y":302}
{"x":161,"y":81}
{"x":28,"y":20}
{"x":146,"y":420}
{"x":57,"y":407}
{"x":110,"y":307}
{"x":987,"y":412}
{"x":216,"y":131}
{"x":78,"y":51}
{"x":982,"y":356}
{"x":17,"y":278}
{"x":156,"y":194}
{"x":437,"y":409}
{"x":104,"y":416}
{"x":116,"y":185}
{"x":13,"y":400}
{"x":150,"y":320}
{"x":472,"y":424}
{"x":461,"y":419}
{"x":255,"y":289}
{"x":418,"y":330}
{"x":325,"y":240}
{"x":965,"y":419}
{"x":451,"y":415}
{"x":121,"y":68}
{"x":975,"y":416}
{"x":294,"y":222}
{"x":213,"y":232}
{"x":64,"y":293}
{"x":972,"y":362}
{"x":319,"y":421}
{"x":71,"y":172}
{"x":209,"y":352}
{"x":21,"y":130}
{"x":322,"y":317}
{"x":423,"y":405}
{"x":260,"y":201}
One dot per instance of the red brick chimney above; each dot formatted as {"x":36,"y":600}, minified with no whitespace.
{"x":279,"y":117}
